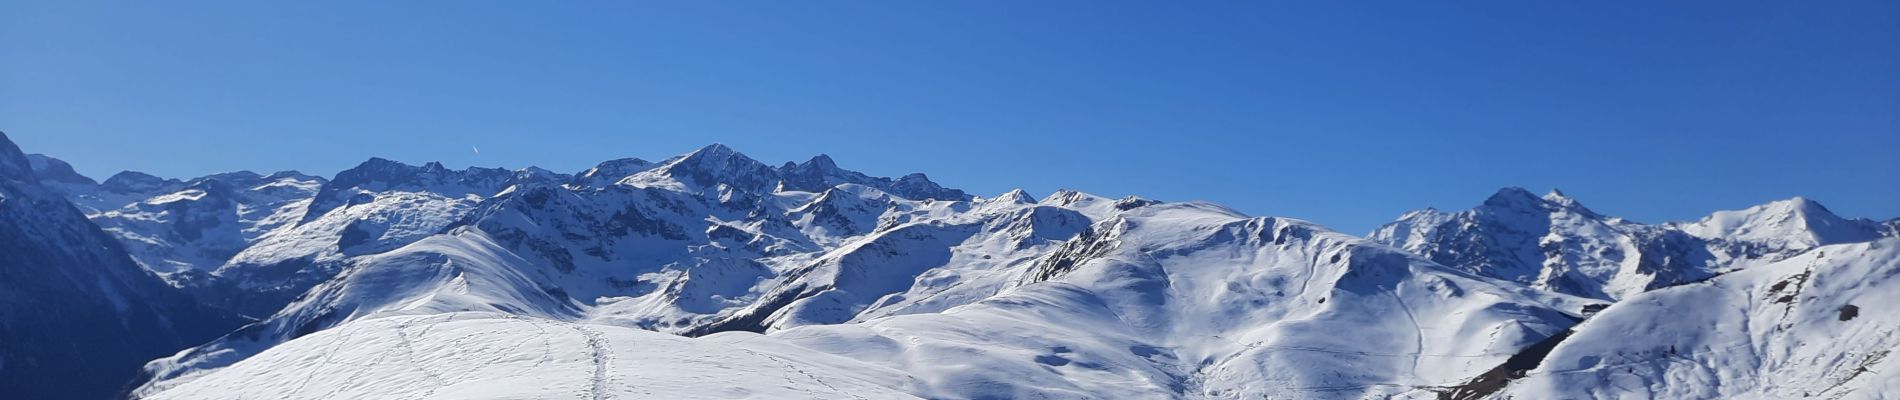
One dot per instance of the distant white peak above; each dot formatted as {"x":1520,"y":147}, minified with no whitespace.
{"x":1066,"y":197}
{"x":1422,"y":213}
{"x":1557,"y":196}
{"x":860,"y":191}
{"x":1793,"y":221}
{"x":1016,"y":196}
{"x":1519,"y":200}
{"x":611,"y":171}
{"x":708,"y":167}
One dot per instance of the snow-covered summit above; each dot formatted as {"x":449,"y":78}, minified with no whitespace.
{"x":1795,"y":223}
{"x":1554,"y":242}
{"x":704,"y":169}
{"x":714,"y":166}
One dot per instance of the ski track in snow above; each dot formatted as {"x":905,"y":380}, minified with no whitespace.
{"x":801,"y":371}
{"x":602,"y":355}
{"x":1418,"y":332}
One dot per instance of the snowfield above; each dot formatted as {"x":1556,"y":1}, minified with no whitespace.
{"x":500,"y":356}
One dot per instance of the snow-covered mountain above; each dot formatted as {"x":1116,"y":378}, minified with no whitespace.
{"x":1153,"y":301}
{"x":714,"y":275}
{"x":1554,"y":243}
{"x":1817,"y":325}
{"x":77,"y":314}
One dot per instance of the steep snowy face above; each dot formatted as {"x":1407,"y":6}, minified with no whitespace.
{"x":1554,"y":243}
{"x":375,"y":207}
{"x":1781,"y":227}
{"x":1811,"y":326}
{"x":821,"y":172}
{"x":496,"y":356}
{"x":79,"y":314}
{"x":611,"y":171}
{"x":706,"y":169}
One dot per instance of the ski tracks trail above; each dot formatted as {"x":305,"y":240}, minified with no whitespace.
{"x":602,"y":354}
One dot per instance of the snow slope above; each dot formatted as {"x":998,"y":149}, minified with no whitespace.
{"x":1818,"y":325}
{"x":501,"y":356}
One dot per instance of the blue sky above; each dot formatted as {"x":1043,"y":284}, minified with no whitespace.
{"x":1344,"y":113}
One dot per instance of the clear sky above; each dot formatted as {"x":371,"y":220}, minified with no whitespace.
{"x":1346,"y":113}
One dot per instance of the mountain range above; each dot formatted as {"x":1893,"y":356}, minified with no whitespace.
{"x":714,"y":275}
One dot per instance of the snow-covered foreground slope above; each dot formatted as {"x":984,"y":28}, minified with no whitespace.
{"x":1555,"y":243}
{"x":500,"y":356}
{"x":1819,"y":325}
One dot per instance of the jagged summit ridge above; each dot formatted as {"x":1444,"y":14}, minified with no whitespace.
{"x":716,"y":165}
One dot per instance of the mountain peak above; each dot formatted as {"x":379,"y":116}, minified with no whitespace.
{"x":610,"y":171}
{"x":134,"y":181}
{"x":715,"y":150}
{"x":47,"y":168}
{"x":1513,"y":198}
{"x":291,"y":174}
{"x":716,"y":164}
{"x":1796,"y":222}
{"x":13,"y":163}
{"x":821,"y":161}
{"x":375,"y":169}
{"x":1017,"y":196}
{"x":1519,"y":199}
